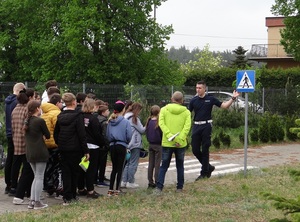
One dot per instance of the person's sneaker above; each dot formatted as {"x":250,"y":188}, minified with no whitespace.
{"x":7,"y":189}
{"x":151,"y":186}
{"x":12,"y":192}
{"x":93,"y":195}
{"x":102,"y":184}
{"x":110,"y":193}
{"x":132,"y":185}
{"x":211,"y":169}
{"x":58,"y":197}
{"x":39,"y":205}
{"x":123,"y":184}
{"x":201,"y":177}
{"x":19,"y":201}
{"x":66,"y":202}
{"x":179,"y":191}
{"x":31,"y":204}
{"x":119,"y":192}
{"x":82,"y":192}
{"x":157,"y":191}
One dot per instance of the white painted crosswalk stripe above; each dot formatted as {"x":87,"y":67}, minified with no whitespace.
{"x":192,"y":166}
{"x":186,"y":166}
{"x":217,"y":167}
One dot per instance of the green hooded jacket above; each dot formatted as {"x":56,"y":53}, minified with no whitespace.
{"x":175,"y":118}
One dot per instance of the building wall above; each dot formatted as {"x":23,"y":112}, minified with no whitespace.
{"x":284,"y":64}
{"x":275,"y":24}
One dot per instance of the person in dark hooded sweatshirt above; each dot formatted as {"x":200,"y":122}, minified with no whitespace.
{"x":118,"y":134}
{"x":69,"y":135}
{"x":10,"y":104}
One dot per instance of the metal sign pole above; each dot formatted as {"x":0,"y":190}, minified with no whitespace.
{"x":245,"y":83}
{"x":246,"y":134}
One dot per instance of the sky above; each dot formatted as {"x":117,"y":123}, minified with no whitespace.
{"x":223,"y":24}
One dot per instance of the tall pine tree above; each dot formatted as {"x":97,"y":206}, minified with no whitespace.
{"x":241,"y":61}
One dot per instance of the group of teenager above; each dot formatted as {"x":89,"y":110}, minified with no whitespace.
{"x":47,"y":137}
{"x":50,"y":136}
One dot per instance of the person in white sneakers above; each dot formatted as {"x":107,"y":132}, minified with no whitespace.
{"x":135,"y":146}
{"x":118,"y":134}
{"x":36,"y":151}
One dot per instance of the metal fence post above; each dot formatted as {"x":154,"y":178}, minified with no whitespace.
{"x":263,"y":99}
{"x":83,"y":87}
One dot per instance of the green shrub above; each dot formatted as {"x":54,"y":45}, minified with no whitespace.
{"x":276,"y":128}
{"x":216,"y":142}
{"x":290,"y":123}
{"x":264,"y":130}
{"x":241,"y":137}
{"x":226,"y":118}
{"x":287,"y":205}
{"x":225,"y":139}
{"x":254,"y":135}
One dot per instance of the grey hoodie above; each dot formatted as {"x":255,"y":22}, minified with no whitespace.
{"x":118,"y":131}
{"x":137,"y":131}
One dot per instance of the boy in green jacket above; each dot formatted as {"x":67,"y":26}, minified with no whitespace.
{"x":175,"y":123}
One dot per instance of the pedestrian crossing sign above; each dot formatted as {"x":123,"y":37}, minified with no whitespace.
{"x":245,"y":80}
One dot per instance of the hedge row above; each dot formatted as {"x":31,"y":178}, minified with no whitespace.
{"x":267,"y":78}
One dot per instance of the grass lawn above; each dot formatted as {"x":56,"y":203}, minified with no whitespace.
{"x":226,"y":198}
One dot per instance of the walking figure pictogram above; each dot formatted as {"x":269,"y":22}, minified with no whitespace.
{"x":246,"y":82}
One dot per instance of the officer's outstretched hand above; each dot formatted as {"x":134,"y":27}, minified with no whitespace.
{"x":235,"y":93}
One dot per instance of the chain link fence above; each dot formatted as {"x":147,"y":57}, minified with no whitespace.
{"x":280,"y":101}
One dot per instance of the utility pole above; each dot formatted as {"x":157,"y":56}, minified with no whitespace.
{"x":154,"y":10}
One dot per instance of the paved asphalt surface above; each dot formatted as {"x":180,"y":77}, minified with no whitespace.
{"x":228,"y":161}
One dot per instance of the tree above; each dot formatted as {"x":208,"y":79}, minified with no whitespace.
{"x":92,"y":41}
{"x":240,"y":61}
{"x":288,"y":205}
{"x":204,"y":61}
{"x":290,"y":35}
{"x":182,"y":55}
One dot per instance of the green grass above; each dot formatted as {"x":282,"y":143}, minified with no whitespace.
{"x":226,"y":198}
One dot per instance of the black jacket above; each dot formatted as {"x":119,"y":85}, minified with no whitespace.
{"x":69,"y":132}
{"x":93,"y":129}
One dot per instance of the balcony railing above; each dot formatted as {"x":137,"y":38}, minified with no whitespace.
{"x":268,"y":50}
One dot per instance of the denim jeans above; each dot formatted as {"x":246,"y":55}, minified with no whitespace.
{"x":166,"y":159}
{"x":131,"y":166}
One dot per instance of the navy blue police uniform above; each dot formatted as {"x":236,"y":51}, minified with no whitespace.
{"x":202,"y":129}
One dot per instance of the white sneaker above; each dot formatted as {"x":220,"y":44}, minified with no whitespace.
{"x":39,"y":205}
{"x":123,"y":184}
{"x":59,"y":197}
{"x":132,"y":185}
{"x":19,"y":201}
